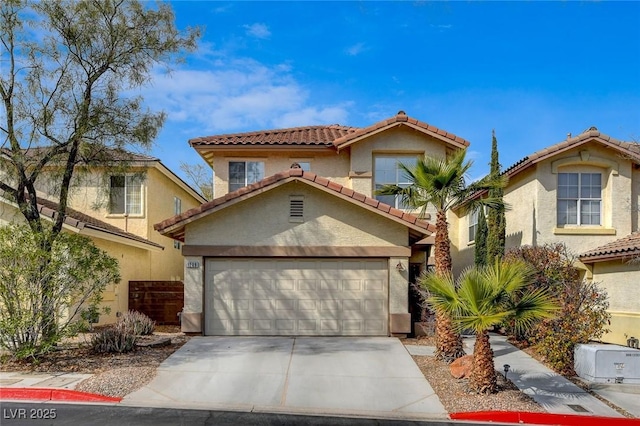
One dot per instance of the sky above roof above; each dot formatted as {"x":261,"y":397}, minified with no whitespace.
{"x":533,"y":71}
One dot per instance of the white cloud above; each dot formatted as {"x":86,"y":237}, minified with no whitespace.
{"x":356,"y":49}
{"x":258,"y":30}
{"x":238,"y":95}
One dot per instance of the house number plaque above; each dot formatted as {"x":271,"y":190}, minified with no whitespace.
{"x":193,"y":265}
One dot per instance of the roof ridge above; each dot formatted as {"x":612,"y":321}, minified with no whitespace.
{"x":400,"y":117}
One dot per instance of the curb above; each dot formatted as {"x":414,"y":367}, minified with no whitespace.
{"x":52,"y":394}
{"x":544,"y":418}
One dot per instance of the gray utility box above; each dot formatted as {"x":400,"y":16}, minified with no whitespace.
{"x":602,"y":363}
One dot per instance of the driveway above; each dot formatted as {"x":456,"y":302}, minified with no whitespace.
{"x":338,"y":375}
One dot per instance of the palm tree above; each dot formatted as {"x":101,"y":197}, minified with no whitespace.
{"x":441,"y":182}
{"x":484,"y":297}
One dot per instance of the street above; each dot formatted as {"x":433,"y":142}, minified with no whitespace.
{"x":24,"y":413}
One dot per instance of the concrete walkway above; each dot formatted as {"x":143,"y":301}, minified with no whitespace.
{"x":552,"y":391}
{"x":321,"y":375}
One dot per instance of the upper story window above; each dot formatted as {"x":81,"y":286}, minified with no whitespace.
{"x":243,"y":173}
{"x":579,"y":198}
{"x":473,"y":224}
{"x":125,"y":195}
{"x":387,"y":171}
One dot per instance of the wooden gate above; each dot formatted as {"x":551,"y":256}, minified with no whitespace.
{"x":159,"y":300}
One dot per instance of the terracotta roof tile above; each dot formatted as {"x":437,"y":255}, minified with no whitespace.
{"x":401,"y":117}
{"x":632,"y":150}
{"x":324,"y":183}
{"x":81,"y":220}
{"x":308,"y":135}
{"x":627,"y":247}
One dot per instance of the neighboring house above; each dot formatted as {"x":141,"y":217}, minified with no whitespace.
{"x":296,"y":242}
{"x":583,"y":192}
{"x":117,"y":211}
{"x":616,"y":267}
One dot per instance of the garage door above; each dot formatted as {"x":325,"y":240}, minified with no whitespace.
{"x":312,"y":297}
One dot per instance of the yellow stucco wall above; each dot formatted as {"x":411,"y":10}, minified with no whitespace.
{"x":136,"y":264}
{"x":133,"y":264}
{"x":621,"y":280}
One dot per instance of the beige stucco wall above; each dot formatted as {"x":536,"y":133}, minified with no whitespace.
{"x":325,"y":162}
{"x":531,"y":194}
{"x":399,"y":140}
{"x":263,"y":220}
{"x":621,"y":280}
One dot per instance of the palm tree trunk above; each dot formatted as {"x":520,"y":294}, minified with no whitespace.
{"x":448,"y":341}
{"x":483,"y":373}
{"x":443,"y":245}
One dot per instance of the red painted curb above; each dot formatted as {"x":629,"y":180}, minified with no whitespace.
{"x":544,"y":418}
{"x":54,"y":394}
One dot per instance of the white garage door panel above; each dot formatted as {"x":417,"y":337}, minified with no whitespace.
{"x":296,"y":297}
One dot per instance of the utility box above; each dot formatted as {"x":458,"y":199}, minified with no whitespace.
{"x":601,"y":363}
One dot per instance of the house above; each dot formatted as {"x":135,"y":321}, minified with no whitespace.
{"x":583,"y":192}
{"x":116,"y":208}
{"x":296,"y":242}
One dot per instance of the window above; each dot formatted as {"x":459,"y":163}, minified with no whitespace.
{"x":387,"y":171}
{"x":579,"y":198}
{"x":177,"y":209}
{"x":125,"y":195}
{"x":473,"y":224}
{"x":243,"y":173}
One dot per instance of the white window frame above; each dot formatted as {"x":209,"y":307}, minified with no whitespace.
{"x":247,"y":181}
{"x":581,"y":200}
{"x":129,"y":182}
{"x":473,"y":224}
{"x":399,"y":177}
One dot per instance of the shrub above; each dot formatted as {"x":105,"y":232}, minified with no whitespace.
{"x":583,"y":312}
{"x":138,"y":323}
{"x":117,"y":338}
{"x":44,"y":289}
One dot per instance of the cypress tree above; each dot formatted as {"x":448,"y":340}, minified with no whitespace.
{"x":481,"y":239}
{"x":496,"y":222}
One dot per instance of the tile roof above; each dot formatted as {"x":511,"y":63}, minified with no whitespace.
{"x":630,"y":150}
{"x":333,"y":135}
{"x":80,"y":220}
{"x":400,"y":119}
{"x":309,"y":135}
{"x":174,"y":227}
{"x":624,"y":248}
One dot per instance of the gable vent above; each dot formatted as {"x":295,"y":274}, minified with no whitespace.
{"x":296,"y":208}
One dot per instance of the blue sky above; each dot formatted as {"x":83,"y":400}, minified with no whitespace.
{"x":533,"y":71}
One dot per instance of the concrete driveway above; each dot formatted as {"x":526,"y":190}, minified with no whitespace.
{"x":337,"y":375}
